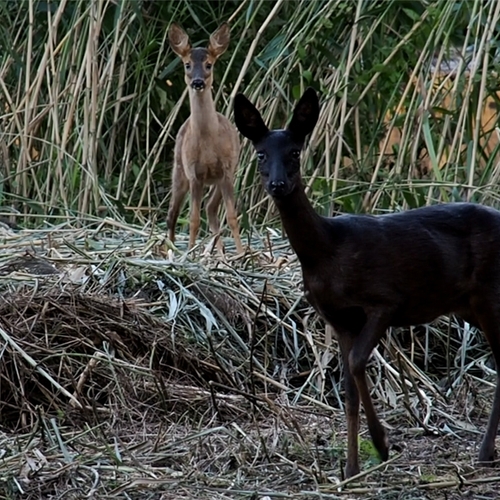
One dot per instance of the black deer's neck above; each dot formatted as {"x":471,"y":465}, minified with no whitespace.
{"x":304,"y":227}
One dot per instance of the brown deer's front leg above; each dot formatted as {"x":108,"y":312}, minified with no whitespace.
{"x":212,"y":209}
{"x":196,"y":188}
{"x":213,"y":217}
{"x":180,"y":187}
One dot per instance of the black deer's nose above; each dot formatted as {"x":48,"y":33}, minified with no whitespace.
{"x":198,"y":84}
{"x":277,"y":188}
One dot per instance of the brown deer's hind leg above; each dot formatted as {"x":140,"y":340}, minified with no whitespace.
{"x":180,"y":187}
{"x":487,"y":313}
{"x":227,"y":189}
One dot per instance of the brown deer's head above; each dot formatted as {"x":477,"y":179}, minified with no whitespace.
{"x":198,"y":62}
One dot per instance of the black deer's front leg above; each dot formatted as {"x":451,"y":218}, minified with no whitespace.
{"x":363,"y":345}
{"x":346,"y":339}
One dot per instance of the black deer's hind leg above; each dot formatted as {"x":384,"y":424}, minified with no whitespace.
{"x":487,"y":311}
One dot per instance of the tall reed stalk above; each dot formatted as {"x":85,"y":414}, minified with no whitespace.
{"x":92,"y":98}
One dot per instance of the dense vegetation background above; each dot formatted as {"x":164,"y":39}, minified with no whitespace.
{"x":134,"y":374}
{"x":92,"y":97}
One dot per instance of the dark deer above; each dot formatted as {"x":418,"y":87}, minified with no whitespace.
{"x":207,"y":145}
{"x":365,"y":273}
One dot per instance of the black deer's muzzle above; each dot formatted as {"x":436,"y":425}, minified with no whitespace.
{"x":277,"y":188}
{"x":198,"y":84}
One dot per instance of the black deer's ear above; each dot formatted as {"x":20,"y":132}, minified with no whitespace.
{"x":305,"y":114}
{"x":248,"y":120}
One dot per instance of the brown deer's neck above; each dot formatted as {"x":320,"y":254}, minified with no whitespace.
{"x":304,"y":227}
{"x":204,"y":120}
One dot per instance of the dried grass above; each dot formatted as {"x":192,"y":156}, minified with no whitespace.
{"x":131,"y":370}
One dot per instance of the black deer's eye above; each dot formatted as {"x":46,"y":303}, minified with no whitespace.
{"x":187,"y":66}
{"x":295,"y":154}
{"x":208,"y":66}
{"x":260,"y":157}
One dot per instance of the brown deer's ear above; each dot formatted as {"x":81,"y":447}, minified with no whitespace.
{"x":305,"y":115}
{"x":248,"y":119}
{"x":179,"y":40}
{"x":219,"y":41}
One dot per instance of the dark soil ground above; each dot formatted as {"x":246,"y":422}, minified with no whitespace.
{"x":208,"y":458}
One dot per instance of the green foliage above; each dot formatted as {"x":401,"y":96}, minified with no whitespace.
{"x":92,"y":97}
{"x":368,"y":453}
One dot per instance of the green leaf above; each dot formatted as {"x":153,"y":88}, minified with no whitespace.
{"x":307,"y":75}
{"x":412,"y":14}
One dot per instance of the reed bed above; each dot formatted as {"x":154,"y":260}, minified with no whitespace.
{"x":92,"y":98}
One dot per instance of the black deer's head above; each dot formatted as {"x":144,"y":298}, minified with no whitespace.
{"x":278,"y":151}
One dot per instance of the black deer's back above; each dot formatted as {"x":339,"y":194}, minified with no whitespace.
{"x":417,"y":265}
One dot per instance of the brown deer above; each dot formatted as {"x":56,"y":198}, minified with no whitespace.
{"x":207,"y":145}
{"x":365,"y":273}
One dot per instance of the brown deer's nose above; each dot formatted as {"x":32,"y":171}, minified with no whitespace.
{"x":198,"y":84}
